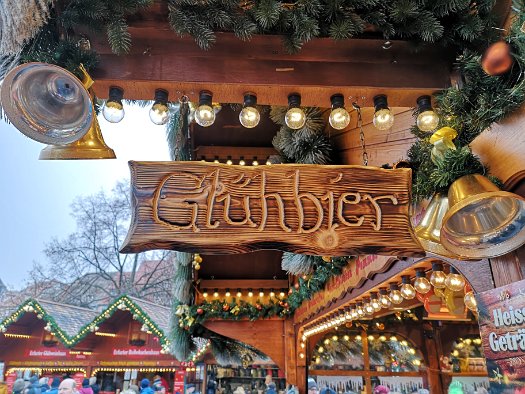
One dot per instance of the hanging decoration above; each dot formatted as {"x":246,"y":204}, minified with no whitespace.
{"x":497,"y":59}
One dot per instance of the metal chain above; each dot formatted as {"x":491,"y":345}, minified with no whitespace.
{"x":361,"y":132}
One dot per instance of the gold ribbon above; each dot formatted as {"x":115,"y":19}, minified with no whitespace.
{"x":442,"y":141}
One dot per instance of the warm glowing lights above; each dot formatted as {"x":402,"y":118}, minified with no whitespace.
{"x":408,"y":292}
{"x":227,"y":294}
{"x":105,"y":334}
{"x":383,"y":116}
{"x":215,"y":294}
{"x":395,"y":295}
{"x":421,"y":284}
{"x":438,"y":277}
{"x":18,"y":336}
{"x":249,"y":116}
{"x":295,"y":117}
{"x":384,"y":299}
{"x":250,"y":294}
{"x":205,"y":113}
{"x":339,"y":117}
{"x":205,"y":294}
{"x":454,"y":281}
{"x":470,"y":301}
{"x":427,"y":120}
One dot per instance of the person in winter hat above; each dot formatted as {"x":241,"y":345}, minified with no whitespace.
{"x":144,"y":387}
{"x":94,"y":385}
{"x":327,"y":390}
{"x":312,"y":386}
{"x":19,"y":386}
{"x":54,"y":386}
{"x":381,"y":390}
{"x":34,"y":386}
{"x":86,"y":388}
{"x":43,"y":384}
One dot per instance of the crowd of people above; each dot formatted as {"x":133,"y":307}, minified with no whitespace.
{"x":54,"y":386}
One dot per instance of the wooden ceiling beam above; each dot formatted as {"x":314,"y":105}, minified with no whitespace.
{"x":356,"y":68}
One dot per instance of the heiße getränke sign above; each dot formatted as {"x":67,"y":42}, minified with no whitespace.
{"x":502,"y":328}
{"x":310,"y":209}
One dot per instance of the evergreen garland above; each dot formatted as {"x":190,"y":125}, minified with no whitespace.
{"x":456,"y":22}
{"x":471,"y":108}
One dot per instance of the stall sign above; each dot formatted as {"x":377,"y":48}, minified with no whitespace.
{"x":45,"y":352}
{"x":10,"y":381}
{"x":178,"y":386}
{"x":310,"y":209}
{"x":353,"y":275}
{"x":502,"y":328}
{"x":136,"y":352}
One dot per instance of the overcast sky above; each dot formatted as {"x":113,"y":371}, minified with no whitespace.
{"x":36,"y":194}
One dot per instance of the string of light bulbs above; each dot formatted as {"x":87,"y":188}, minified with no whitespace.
{"x":249,"y":116}
{"x":395,"y":295}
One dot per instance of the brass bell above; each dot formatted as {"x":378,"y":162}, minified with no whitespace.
{"x":47,"y":103}
{"x":482,"y":221}
{"x":91,"y":146}
{"x":428,"y":230}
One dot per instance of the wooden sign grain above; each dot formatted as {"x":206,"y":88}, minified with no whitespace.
{"x":310,"y":209}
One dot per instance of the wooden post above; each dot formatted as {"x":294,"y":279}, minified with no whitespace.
{"x":290,"y":352}
{"x":433,"y":372}
{"x":366,"y":358}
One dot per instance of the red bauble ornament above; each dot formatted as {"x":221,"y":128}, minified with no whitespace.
{"x":497,"y":59}
{"x":296,"y":286}
{"x":200,"y":311}
{"x":290,"y":291}
{"x":286,"y":305}
{"x":225,"y":307}
{"x":258,"y":307}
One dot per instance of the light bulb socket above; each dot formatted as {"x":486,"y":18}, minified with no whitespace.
{"x":373,"y":295}
{"x":383,"y":291}
{"x":115,"y":94}
{"x":337,"y":100}
{"x":294,"y":100}
{"x":420,"y":273}
{"x":405,"y":279}
{"x":380,"y":102}
{"x":358,"y":304}
{"x":453,"y":271}
{"x":161,"y":96}
{"x":437,"y":267}
{"x":205,"y":97}
{"x":250,"y":100}
{"x":394,"y":286}
{"x":424,"y":103}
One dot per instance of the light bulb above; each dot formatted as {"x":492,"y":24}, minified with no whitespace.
{"x":427,"y":120}
{"x":369,"y":309}
{"x":295,"y":117}
{"x":159,"y":112}
{"x":374,"y":301}
{"x":272,"y":294}
{"x":470,"y":301}
{"x":359,"y":309}
{"x":407,"y":290}
{"x":113,"y":110}
{"x":438,"y":277}
{"x":250,"y":294}
{"x":384,"y":300}
{"x":249,"y":116}
{"x":229,"y":161}
{"x":204,"y":113}
{"x":255,"y":162}
{"x":242,"y":162}
{"x":216,"y":294}
{"x":239,"y":294}
{"x":354,"y":313}
{"x":383,"y":116}
{"x":421,"y":284}
{"x":383,"y":119}
{"x":454,"y":281}
{"x":339,"y":117}
{"x":227,"y":294}
{"x":261,"y":294}
{"x":395,"y":295}
{"x":205,"y":294}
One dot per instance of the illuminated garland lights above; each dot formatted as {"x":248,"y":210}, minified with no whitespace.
{"x":110,"y":369}
{"x":38,"y":371}
{"x":307,"y":286}
{"x":121,"y":303}
{"x":365,"y":307}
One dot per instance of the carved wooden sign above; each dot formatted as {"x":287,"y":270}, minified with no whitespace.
{"x":310,"y":209}
{"x":354,"y":275}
